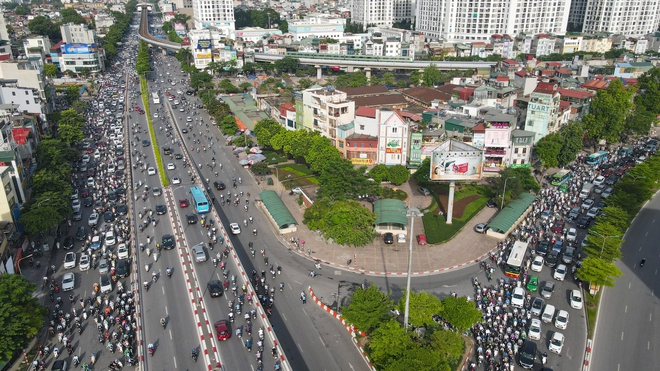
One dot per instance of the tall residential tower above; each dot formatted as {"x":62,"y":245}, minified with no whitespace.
{"x":214,"y":13}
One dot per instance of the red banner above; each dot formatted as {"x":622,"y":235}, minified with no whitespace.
{"x":20,"y":135}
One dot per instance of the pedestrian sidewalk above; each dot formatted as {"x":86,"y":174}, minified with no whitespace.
{"x":377,"y":258}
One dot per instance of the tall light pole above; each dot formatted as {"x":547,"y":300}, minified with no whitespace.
{"x":412,"y":213}
{"x":504,"y":191}
{"x":605,"y":239}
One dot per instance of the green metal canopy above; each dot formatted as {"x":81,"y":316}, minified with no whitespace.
{"x":512,"y":212}
{"x":277,"y":209}
{"x":390,"y":211}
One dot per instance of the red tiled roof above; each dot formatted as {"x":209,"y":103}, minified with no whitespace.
{"x":564,"y":104}
{"x":511,"y":62}
{"x":545,"y":91}
{"x":629,"y":81}
{"x":564,"y":71}
{"x":479,"y":128}
{"x":501,"y":78}
{"x":410,"y":115}
{"x":553,"y":64}
{"x":595,"y":85}
{"x":289,"y":107}
{"x":571,"y":93}
{"x":521,"y":73}
{"x":5,"y":57}
{"x":547,"y":72}
{"x":56,"y":47}
{"x":366,"y":112}
{"x":546,"y":86}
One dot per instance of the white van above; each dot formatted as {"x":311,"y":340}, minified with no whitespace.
{"x":548,"y":313}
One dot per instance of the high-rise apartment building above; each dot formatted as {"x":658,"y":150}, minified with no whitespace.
{"x":576,"y":15}
{"x":478,"y":20}
{"x":214,"y":13}
{"x":404,"y":10}
{"x":631,"y":18}
{"x":373,"y":12}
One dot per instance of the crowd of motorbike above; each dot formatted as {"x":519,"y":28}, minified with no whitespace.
{"x":502,"y":334}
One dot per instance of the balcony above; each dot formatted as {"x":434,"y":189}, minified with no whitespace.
{"x":494,"y":152}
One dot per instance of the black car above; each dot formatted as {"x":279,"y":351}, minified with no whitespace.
{"x":81,"y":234}
{"x":120,"y":190}
{"x":491,"y":203}
{"x":528,"y":355}
{"x":167,"y":150}
{"x":122,"y":209}
{"x":68,"y":243}
{"x":59,"y":365}
{"x":146,"y":143}
{"x":161,"y":209}
{"x":88,"y":202}
{"x":388,"y":238}
{"x":184,"y":130}
{"x":215,"y":288}
{"x":178,"y":156}
{"x":112,"y":196}
{"x":119,"y":152}
{"x":543,"y":248}
{"x":122,"y":268}
{"x":167,"y":242}
{"x":552,"y":258}
{"x":108,"y":217}
{"x":583,"y":222}
{"x":219,"y":185}
{"x":191,"y":218}
{"x":190,"y":92}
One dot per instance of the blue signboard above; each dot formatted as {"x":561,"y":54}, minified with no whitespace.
{"x":78,"y":48}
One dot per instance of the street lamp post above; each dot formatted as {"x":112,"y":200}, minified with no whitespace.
{"x":605,"y":239}
{"x":504,"y":191}
{"x":412,"y":213}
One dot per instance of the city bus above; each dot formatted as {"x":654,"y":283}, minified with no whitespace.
{"x":561,"y":177}
{"x":516,"y":260}
{"x":597,"y":158}
{"x":155,"y":97}
{"x":199,"y":200}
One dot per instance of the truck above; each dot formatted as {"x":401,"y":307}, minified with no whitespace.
{"x":586,"y":190}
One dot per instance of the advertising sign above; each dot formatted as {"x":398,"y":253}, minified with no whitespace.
{"x":362,"y":161}
{"x":454,"y":160}
{"x":20,"y":135}
{"x":78,"y":48}
{"x":393,"y":146}
{"x":203,"y":56}
{"x":179,"y":27}
{"x":204,"y":43}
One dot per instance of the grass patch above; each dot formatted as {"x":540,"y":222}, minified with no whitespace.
{"x":295,"y":175}
{"x":436,"y":228}
{"x":592,"y":311}
{"x":159,"y":160}
{"x":387,"y":192}
{"x":273,"y":158}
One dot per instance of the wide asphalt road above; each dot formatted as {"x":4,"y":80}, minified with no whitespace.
{"x":627,"y":334}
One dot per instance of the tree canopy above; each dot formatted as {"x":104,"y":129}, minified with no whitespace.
{"x":69,"y":127}
{"x":609,"y":111}
{"x":21,"y":315}
{"x":369,"y":308}
{"x":266,"y":129}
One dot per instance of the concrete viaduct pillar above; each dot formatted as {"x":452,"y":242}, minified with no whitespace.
{"x":318,"y":72}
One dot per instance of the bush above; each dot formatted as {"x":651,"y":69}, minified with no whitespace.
{"x":260,"y":168}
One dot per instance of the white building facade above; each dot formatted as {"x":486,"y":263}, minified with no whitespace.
{"x":373,"y":12}
{"x":214,"y":13}
{"x":631,"y":18}
{"x":207,"y":46}
{"x":478,"y":20}
{"x":79,"y":49}
{"x":309,"y":28}
{"x":392,"y":137}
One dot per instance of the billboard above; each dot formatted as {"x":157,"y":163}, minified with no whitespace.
{"x":179,"y":27}
{"x":78,"y":48}
{"x":204,"y":43}
{"x":20,"y":135}
{"x":455,"y":160}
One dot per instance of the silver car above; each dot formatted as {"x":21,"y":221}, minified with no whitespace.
{"x":103,"y":266}
{"x":537,"y":306}
{"x":198,"y":252}
{"x":68,"y":281}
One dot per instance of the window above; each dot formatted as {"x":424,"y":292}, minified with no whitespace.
{"x":27,"y":102}
{"x":361,"y":127}
{"x":13,"y":93}
{"x":26,"y":92}
{"x":394,"y":130}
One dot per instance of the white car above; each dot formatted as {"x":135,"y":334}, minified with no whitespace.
{"x":176,"y":180}
{"x":70,"y":260}
{"x":84,"y":263}
{"x":93,"y":219}
{"x":571,"y":235}
{"x":110,"y":239}
{"x":235,"y":228}
{"x":170,"y":167}
{"x":85,"y":158}
{"x":106,"y":284}
{"x":156,"y":114}
{"x":75,"y":205}
{"x":599,"y":180}
{"x":90,"y":182}
{"x":151,"y":171}
{"x":122,"y":251}
{"x":576,"y":299}
{"x":537,"y":264}
{"x":534,"y":332}
{"x":518,"y":297}
{"x":556,"y":343}
{"x":560,"y":272}
{"x":561,"y":321}
{"x":68,"y":281}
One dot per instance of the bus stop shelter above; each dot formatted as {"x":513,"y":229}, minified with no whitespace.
{"x":509,"y":217}
{"x":277,"y":212}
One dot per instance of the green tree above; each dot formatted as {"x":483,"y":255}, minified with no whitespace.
{"x":341,"y":181}
{"x":419,"y":358}
{"x":245,"y":87}
{"x":572,"y":135}
{"x":388,"y":79}
{"x":449,"y":345}
{"x":519,"y":180}
{"x":266,"y":129}
{"x":228,"y":125}
{"x":21,"y":315}
{"x":184,"y":56}
{"x":398,"y":174}
{"x":421,"y":175}
{"x":598,"y":271}
{"x":227,"y":87}
{"x":80,"y":107}
{"x":242,"y":141}
{"x":640,"y":122}
{"x":615,"y":216}
{"x":69,"y":128}
{"x":260,"y":168}
{"x":249,"y":68}
{"x":314,"y":216}
{"x":368,"y":308}
{"x":349,"y":223}
{"x":549,"y":148}
{"x":85,"y":71}
{"x":70,"y":15}
{"x":649,"y":91}
{"x":389,"y":342}
{"x":460,"y":313}
{"x":604,"y":242}
{"x":304,"y":83}
{"x":379,"y":173}
{"x":45,"y":180}
{"x":431,"y":76}
{"x":50,"y":69}
{"x":415,"y":77}
{"x":609,"y":111}
{"x":72,"y":93}
{"x":423,"y":306}
{"x":43,"y":26}
{"x":201,"y":80}
{"x":39,"y":219}
{"x":287,"y":64}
